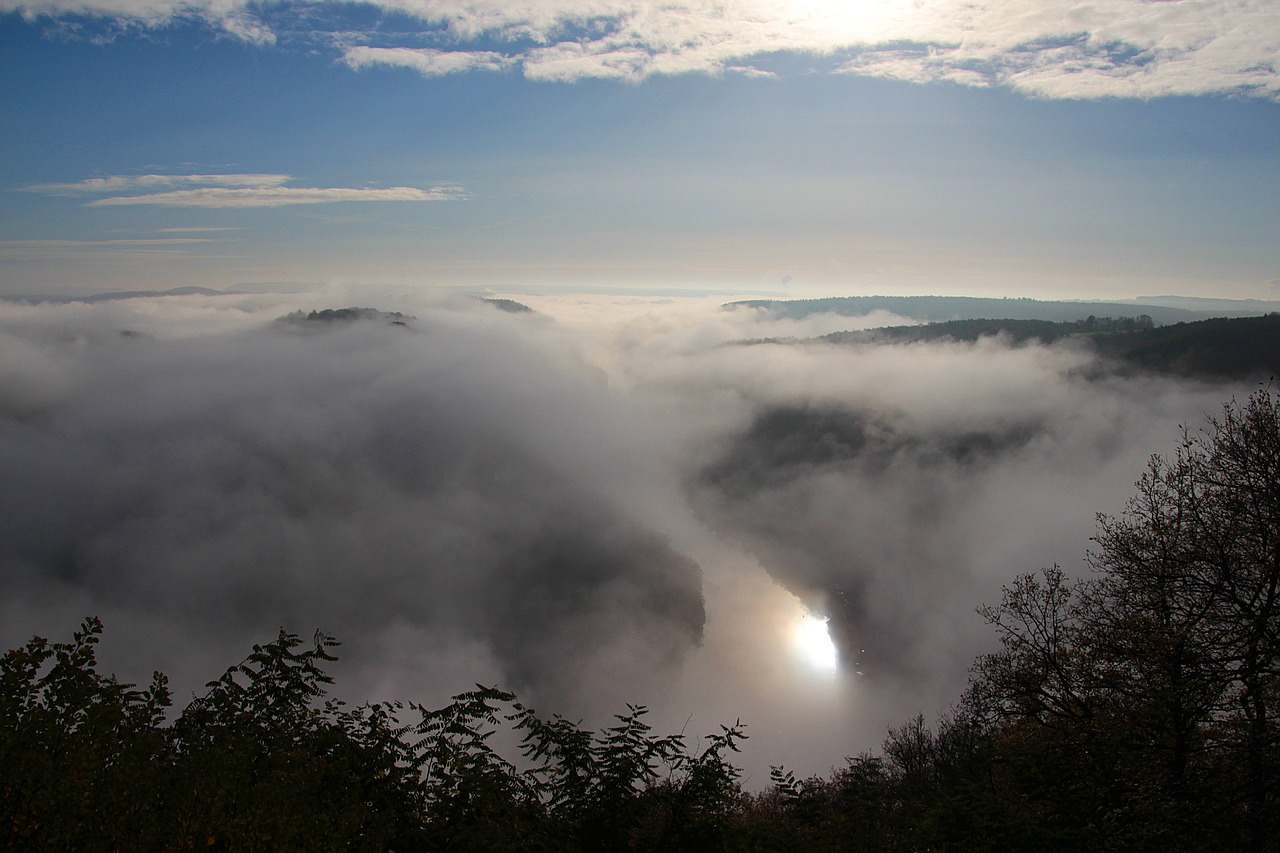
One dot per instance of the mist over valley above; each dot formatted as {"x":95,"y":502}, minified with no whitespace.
{"x":602,"y":500}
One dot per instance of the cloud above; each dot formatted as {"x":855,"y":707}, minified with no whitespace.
{"x":1082,"y":65}
{"x":569,"y":62}
{"x":149,"y":183}
{"x":197,"y":229}
{"x":98,"y":244}
{"x":426,"y":61}
{"x":438,"y":477}
{"x":225,"y":191}
{"x":32,"y":250}
{"x":1045,"y":48}
{"x":280,"y":196}
{"x":894,"y":488}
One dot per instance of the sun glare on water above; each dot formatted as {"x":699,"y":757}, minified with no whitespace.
{"x":813,"y":643}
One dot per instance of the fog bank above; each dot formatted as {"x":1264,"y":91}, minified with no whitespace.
{"x":609,"y":500}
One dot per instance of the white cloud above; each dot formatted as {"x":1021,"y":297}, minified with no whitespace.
{"x":749,"y":71}
{"x":132,"y":183}
{"x":1139,"y":52}
{"x":426,"y":61}
{"x":1046,"y":48}
{"x":279,"y":196}
{"x":236,"y":190}
{"x":567,"y":62}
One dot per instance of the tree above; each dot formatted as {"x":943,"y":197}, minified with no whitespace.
{"x":265,"y":760}
{"x":77,"y":749}
{"x":475,"y":799}
{"x":1143,"y":700}
{"x":1185,"y":616}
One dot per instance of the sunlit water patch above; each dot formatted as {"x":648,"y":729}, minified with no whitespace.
{"x":813,"y":643}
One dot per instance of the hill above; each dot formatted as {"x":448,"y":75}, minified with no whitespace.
{"x":38,"y":299}
{"x":944,"y":308}
{"x":1240,"y":347}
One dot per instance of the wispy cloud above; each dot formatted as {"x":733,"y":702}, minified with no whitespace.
{"x":223,"y":191}
{"x":1045,"y":48}
{"x":147,"y":183}
{"x":280,"y":196}
{"x":427,"y":61}
{"x":44,"y":250}
{"x":197,"y":229}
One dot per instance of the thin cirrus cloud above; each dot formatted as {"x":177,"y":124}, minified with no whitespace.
{"x":197,"y":229}
{"x":279,"y":196}
{"x":45,"y":250}
{"x":146,"y":183}
{"x":231,"y":191}
{"x":1043,"y":48}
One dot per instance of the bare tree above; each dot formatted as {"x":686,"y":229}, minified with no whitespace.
{"x":1164,"y":666}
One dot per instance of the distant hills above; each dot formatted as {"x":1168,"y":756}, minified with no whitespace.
{"x":37,"y":299}
{"x":1174,"y":335}
{"x":1219,"y":307}
{"x":508,"y":305}
{"x":1222,"y":347}
{"x":1015,"y":331}
{"x":1162,"y":310}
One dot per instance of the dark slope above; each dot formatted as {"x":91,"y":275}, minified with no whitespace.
{"x":943,"y":308}
{"x":1234,"y":348}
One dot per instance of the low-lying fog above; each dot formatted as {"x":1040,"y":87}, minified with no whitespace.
{"x":605,"y":501}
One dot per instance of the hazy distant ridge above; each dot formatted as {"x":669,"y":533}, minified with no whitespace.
{"x":942,"y":308}
{"x":1222,"y":347}
{"x":61,"y":298}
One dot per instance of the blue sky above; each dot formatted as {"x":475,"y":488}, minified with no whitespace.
{"x":1014,"y":147}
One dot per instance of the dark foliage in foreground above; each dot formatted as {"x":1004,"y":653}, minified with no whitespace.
{"x":261,"y":761}
{"x":1134,"y":710}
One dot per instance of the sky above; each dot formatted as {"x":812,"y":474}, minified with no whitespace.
{"x":1012,"y":147}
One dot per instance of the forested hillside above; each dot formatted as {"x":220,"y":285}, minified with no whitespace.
{"x":1241,"y":347}
{"x":935,"y":309}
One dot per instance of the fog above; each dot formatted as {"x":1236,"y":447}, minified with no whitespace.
{"x":609,"y":500}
